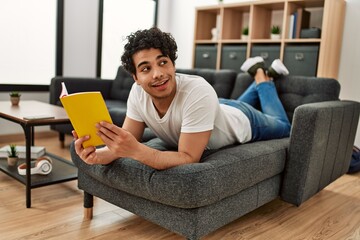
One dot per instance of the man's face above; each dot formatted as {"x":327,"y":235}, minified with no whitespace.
{"x":155,"y":73}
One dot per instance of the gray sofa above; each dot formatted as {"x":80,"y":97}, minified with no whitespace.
{"x":196,"y":199}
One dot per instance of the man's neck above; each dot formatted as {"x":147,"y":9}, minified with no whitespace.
{"x":161,"y":106}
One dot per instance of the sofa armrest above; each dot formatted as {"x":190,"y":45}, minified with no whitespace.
{"x":74,"y":84}
{"x":321,"y":142}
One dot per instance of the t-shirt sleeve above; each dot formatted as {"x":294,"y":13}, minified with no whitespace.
{"x":132,"y":108}
{"x":200,"y":109}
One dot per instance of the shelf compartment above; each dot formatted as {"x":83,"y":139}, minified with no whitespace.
{"x":206,"y":20}
{"x":264,"y":17}
{"x":314,"y":20}
{"x":235,"y":20}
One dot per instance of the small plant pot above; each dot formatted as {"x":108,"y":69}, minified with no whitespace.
{"x":244,"y":37}
{"x":12,"y":161}
{"x":15,"y":101}
{"x":275,"y":36}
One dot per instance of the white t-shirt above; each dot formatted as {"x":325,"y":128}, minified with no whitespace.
{"x":195,"y":108}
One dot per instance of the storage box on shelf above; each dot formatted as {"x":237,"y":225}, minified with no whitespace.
{"x":269,"y":52}
{"x":301,"y":60}
{"x":232,"y":56}
{"x":308,"y":25}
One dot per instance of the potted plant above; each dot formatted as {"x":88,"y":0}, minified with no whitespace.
{"x":15,"y":98}
{"x":245,"y":33}
{"x":275,"y":32}
{"x":12,"y":155}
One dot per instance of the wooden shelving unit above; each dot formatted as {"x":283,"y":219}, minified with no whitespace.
{"x":260,"y":16}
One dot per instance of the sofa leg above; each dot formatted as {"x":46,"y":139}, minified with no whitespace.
{"x":88,"y":206}
{"x":88,"y":213}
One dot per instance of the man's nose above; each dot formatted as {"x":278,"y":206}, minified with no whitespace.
{"x":157,"y":73}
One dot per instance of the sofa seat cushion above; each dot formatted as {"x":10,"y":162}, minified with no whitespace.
{"x":220,"y":174}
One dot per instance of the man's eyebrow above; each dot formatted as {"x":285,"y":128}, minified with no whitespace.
{"x":160,"y":56}
{"x":146,"y":62}
{"x":142,"y":63}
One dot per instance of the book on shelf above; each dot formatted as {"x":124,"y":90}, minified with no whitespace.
{"x":84,"y":110}
{"x":291,"y":26}
{"x":36,"y":151}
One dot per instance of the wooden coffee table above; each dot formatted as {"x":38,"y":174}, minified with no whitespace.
{"x":63,"y":170}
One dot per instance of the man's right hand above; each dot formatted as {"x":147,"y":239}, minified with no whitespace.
{"x":91,"y":155}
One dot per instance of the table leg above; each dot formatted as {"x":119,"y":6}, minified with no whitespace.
{"x":32,"y":136}
{"x":28,"y":139}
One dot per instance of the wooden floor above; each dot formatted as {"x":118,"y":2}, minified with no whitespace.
{"x":57,"y":213}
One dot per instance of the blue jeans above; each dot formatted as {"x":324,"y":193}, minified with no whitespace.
{"x":272,"y":121}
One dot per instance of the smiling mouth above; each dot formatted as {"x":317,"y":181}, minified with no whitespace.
{"x":158,"y":84}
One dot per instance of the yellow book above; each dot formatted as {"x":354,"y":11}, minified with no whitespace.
{"x":85,"y":109}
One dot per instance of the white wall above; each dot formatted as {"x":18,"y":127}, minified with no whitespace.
{"x":350,"y":57}
{"x":80,"y":37}
{"x":27,"y":40}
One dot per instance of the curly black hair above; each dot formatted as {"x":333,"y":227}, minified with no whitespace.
{"x":146,"y":39}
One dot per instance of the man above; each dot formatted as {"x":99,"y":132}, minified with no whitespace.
{"x":183,"y":110}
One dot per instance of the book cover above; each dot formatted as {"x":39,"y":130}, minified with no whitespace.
{"x":36,"y":151}
{"x":84,"y":110}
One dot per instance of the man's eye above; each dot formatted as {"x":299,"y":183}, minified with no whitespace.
{"x":163,"y":62}
{"x":145,"y":69}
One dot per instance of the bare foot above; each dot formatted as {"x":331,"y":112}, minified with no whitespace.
{"x":260,"y":76}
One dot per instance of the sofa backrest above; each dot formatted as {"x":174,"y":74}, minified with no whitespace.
{"x":221,"y":80}
{"x":122,"y":85}
{"x":294,"y":91}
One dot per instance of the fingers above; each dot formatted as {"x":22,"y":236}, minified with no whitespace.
{"x":108,"y":132}
{"x":88,"y":155}
{"x":102,"y":126}
{"x":78,"y":144}
{"x":74,"y":134}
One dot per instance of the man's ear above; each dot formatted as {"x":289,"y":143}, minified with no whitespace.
{"x":135,"y":79}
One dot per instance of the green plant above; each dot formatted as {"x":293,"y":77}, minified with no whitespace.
{"x":13,"y":152}
{"x":245,"y":31}
{"x":275,"y":29}
{"x":15,"y":94}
